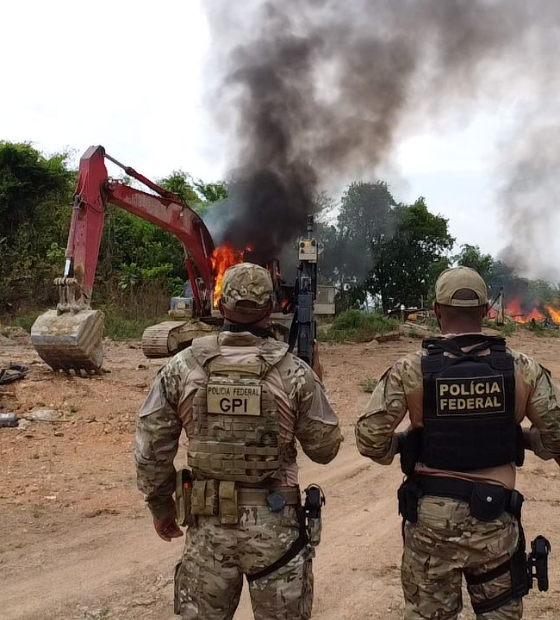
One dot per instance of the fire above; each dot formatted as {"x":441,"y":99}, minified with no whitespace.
{"x":554,"y":314}
{"x":516,"y":313}
{"x":222,"y":259}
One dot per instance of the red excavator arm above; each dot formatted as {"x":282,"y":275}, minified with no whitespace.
{"x":165,"y":210}
{"x":70,"y":337}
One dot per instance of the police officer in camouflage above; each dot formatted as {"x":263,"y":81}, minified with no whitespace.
{"x":466,"y":395}
{"x":243,"y":400}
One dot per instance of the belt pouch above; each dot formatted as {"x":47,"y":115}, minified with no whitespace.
{"x":228,"y":503}
{"x":488,"y":501}
{"x":205,"y":498}
{"x":409,"y":495}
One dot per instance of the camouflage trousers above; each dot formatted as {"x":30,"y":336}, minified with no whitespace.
{"x":447,"y":542}
{"x":209,"y":579}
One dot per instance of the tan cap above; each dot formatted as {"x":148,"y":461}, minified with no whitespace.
{"x":246,"y":282}
{"x":459,"y":278}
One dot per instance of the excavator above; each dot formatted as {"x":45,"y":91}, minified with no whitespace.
{"x":70,"y":337}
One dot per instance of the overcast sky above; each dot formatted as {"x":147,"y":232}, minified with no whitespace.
{"x":130,"y":75}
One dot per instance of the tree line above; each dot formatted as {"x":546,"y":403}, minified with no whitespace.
{"x":373,"y":248}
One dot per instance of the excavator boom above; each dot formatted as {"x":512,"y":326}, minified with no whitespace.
{"x":69,"y":338}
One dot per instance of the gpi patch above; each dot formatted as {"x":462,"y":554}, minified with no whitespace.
{"x":472,"y":396}
{"x":234,"y":399}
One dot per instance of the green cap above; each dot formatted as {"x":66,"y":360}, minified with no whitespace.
{"x":246,"y":282}
{"x":460,"y":278}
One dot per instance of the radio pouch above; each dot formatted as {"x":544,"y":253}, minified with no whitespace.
{"x":205,"y":498}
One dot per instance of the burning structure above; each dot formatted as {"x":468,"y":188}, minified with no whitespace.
{"x":525,"y":312}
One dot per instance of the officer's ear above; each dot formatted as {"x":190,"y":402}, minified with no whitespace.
{"x":437,"y":310}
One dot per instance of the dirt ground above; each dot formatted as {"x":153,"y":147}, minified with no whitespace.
{"x":76,"y":541}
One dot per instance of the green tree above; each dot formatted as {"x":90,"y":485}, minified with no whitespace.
{"x":471,"y":256}
{"x":407,"y":262}
{"x":35,"y":199}
{"x":28,"y":180}
{"x":198,"y":195}
{"x":364,"y":219}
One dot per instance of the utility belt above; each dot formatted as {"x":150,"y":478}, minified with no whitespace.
{"x":486,"y":502}
{"x":195,"y":498}
{"x":213,"y":498}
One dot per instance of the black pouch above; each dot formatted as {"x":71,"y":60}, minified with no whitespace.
{"x":488,"y":501}
{"x":409,"y":495}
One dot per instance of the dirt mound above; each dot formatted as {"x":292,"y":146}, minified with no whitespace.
{"x":11,"y":334}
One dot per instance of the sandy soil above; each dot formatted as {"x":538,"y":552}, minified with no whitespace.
{"x":76,"y":541}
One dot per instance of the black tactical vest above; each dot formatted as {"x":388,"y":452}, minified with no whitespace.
{"x":469,"y":404}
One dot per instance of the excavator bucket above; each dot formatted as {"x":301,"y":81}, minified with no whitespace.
{"x":70,"y":341}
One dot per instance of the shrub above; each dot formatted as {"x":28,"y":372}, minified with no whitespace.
{"x":358,"y":326}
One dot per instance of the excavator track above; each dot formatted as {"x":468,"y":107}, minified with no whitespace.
{"x":70,"y":342}
{"x":170,"y":337}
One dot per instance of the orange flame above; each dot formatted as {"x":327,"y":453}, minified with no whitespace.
{"x":222,"y":259}
{"x":516,"y":313}
{"x":554,"y":314}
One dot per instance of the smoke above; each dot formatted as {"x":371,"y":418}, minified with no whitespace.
{"x":529,"y":201}
{"x":310,"y":93}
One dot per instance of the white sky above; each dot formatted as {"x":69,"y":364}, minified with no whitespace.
{"x":129,"y":74}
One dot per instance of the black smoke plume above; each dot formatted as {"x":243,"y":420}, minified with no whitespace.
{"x":313,"y":93}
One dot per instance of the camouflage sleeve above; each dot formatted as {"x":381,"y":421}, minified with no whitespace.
{"x":375,"y":430}
{"x":317,"y":426}
{"x":543,"y":408}
{"x":157,"y":440}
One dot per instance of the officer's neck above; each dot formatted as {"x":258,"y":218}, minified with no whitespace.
{"x":263,"y":324}
{"x":459,"y":327}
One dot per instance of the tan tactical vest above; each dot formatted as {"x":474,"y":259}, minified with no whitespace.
{"x":236,"y":432}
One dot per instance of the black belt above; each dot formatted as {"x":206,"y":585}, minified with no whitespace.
{"x":456,"y":488}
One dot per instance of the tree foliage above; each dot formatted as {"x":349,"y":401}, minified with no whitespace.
{"x":471,"y":256}
{"x":35,"y":199}
{"x":408,"y":260}
{"x":383,"y":249}
{"x":372,"y":247}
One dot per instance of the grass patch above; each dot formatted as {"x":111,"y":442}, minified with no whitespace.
{"x":24,"y":321}
{"x":508,"y":329}
{"x":538,"y":329}
{"x":358,"y":326}
{"x":369,"y":384}
{"x":119,"y":327}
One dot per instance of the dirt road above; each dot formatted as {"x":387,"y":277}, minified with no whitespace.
{"x":77,"y":543}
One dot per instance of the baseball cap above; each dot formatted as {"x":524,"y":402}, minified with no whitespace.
{"x":246,"y":282}
{"x":460,"y":278}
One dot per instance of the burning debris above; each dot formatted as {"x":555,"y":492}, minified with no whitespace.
{"x":523,"y":313}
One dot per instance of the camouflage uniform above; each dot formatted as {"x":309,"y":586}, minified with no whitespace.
{"x":447,"y":541}
{"x":209,"y":578}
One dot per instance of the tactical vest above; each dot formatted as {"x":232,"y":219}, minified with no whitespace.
{"x":469,"y":404}
{"x":236,"y":431}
